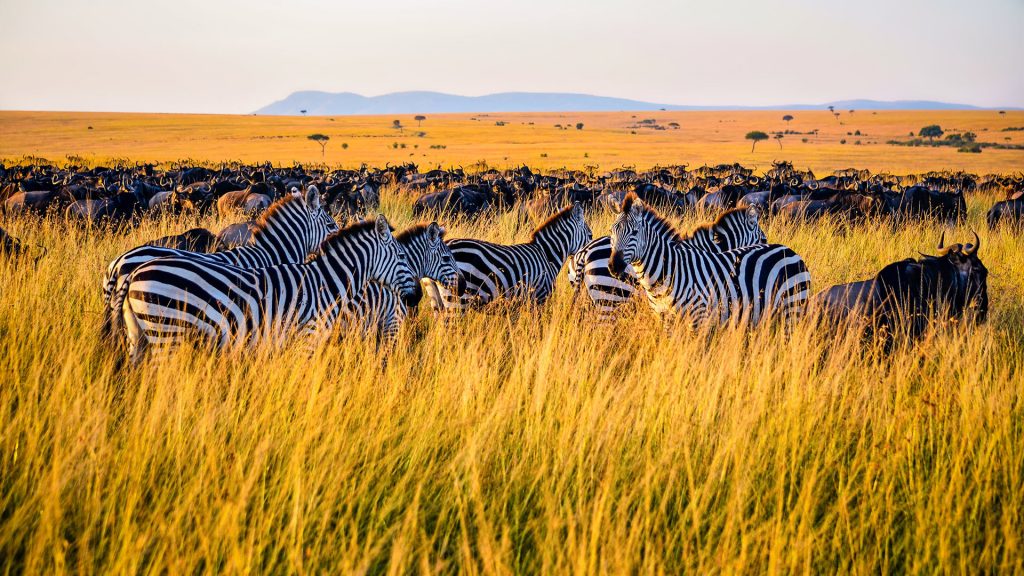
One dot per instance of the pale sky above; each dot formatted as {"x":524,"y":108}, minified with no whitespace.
{"x":234,"y":56}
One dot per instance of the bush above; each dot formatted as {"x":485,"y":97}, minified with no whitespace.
{"x":931,"y":132}
{"x":970,"y":149}
{"x":843,"y":141}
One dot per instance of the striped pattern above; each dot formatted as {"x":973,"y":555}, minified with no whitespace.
{"x":379,"y":310}
{"x":589,"y":267}
{"x":172,"y":300}
{"x":742,"y":285}
{"x":491,"y":271}
{"x":288,"y":232}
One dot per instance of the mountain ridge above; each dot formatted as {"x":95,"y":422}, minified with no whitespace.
{"x":318,"y":103}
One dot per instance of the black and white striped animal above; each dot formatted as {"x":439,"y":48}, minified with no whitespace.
{"x":589,"y":267}
{"x":172,"y":300}
{"x":742,"y":285}
{"x":527,"y":270}
{"x":378,"y":310}
{"x":288,"y":232}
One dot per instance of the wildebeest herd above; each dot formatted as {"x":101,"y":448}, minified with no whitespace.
{"x":289,"y":271}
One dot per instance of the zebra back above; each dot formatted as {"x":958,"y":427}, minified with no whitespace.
{"x":527,"y":270}
{"x":287,"y":232}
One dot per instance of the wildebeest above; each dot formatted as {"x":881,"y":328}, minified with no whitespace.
{"x":235,"y":235}
{"x":906,"y":296}
{"x":1008,"y":210}
{"x":193,"y":240}
{"x":9,"y":245}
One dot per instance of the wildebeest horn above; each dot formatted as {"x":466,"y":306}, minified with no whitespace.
{"x":972,"y":249}
{"x":942,"y":240}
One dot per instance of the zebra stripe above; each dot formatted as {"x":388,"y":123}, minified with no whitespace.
{"x":379,"y":311}
{"x":290,"y":230}
{"x":589,"y":267}
{"x":528,"y":270}
{"x":745,"y":284}
{"x":170,"y":300}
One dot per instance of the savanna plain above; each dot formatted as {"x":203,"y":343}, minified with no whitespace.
{"x":517,"y":439}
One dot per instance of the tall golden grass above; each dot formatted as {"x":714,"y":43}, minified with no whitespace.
{"x":518,"y":440}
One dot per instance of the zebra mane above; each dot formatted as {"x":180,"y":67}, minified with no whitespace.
{"x":563,"y":214}
{"x":658,"y":220}
{"x":269,"y":217}
{"x":416,"y":230}
{"x":708,"y":227}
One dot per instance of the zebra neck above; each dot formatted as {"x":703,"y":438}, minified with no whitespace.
{"x":554,"y":247}
{"x":279,"y":246}
{"x":338,"y":276}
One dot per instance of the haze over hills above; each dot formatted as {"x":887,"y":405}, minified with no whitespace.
{"x":420,"y":102}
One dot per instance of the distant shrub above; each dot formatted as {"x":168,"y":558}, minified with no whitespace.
{"x":499,"y":123}
{"x":543,"y":154}
{"x":843,"y":141}
{"x":931,"y":132}
{"x":857,"y":133}
{"x":857,"y":143}
{"x":579,"y":125}
{"x":970,"y":149}
{"x":344,"y":145}
{"x":804,"y":140}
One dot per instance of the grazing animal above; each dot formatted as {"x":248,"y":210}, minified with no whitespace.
{"x":235,"y":235}
{"x":192,"y":240}
{"x":1007,"y":210}
{"x":743,"y":285}
{"x":733,"y":229}
{"x":10,"y":246}
{"x":286,"y":233}
{"x":528,"y":270}
{"x":171,"y":300}
{"x":904,"y":297}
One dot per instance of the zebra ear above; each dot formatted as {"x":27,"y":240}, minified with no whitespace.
{"x":313,"y":197}
{"x":382,"y":227}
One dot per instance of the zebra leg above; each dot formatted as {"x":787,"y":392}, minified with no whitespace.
{"x":135,"y":336}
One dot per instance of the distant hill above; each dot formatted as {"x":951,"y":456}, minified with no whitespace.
{"x":347,"y":103}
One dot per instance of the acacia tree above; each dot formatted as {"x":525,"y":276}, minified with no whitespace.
{"x":419,"y":120}
{"x":756,"y":136}
{"x":787,"y":118}
{"x":931,"y":132}
{"x":397,"y":125}
{"x":778,"y":138}
{"x":320,"y":139}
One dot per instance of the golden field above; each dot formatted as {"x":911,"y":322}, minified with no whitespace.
{"x":606,"y":139}
{"x":516,"y":440}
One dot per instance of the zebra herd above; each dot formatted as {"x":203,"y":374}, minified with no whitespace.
{"x":302,"y":278}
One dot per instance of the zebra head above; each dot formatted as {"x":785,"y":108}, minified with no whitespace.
{"x":629,"y":236}
{"x":389,"y":265}
{"x":429,"y":255}
{"x":321,"y":222}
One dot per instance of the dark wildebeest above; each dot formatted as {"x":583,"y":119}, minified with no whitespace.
{"x":904,"y":297}
{"x":193,"y":240}
{"x":235,"y":235}
{"x":10,"y":246}
{"x":1008,"y":210}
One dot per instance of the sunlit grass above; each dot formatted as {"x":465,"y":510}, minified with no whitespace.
{"x":516,"y":440}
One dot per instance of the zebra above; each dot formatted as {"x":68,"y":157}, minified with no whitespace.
{"x":378,"y":310}
{"x":527,"y":270}
{"x":171,"y":300}
{"x":287,"y":232}
{"x":589,"y":267}
{"x":744,"y":284}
